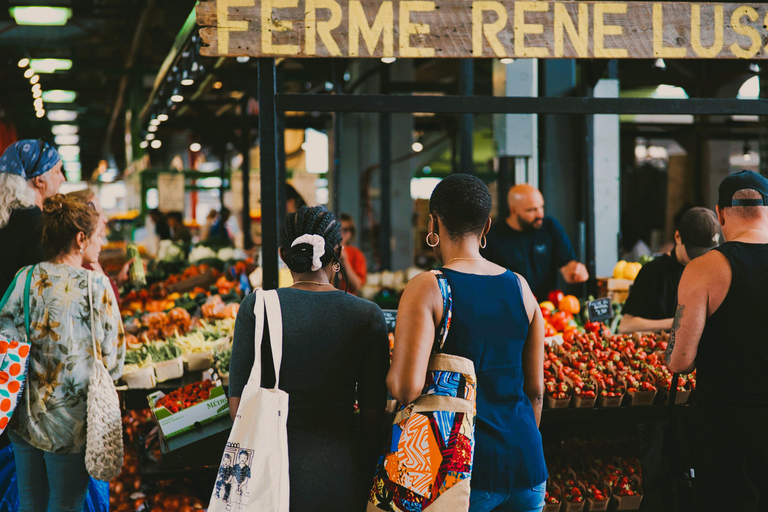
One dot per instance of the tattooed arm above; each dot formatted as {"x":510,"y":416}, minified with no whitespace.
{"x":703,"y":287}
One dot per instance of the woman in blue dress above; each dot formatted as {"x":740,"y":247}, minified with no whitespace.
{"x":497,"y":324}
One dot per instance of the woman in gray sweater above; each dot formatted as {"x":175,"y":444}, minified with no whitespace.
{"x":335,"y":351}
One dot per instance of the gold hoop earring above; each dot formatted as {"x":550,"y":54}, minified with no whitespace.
{"x":437,"y":236}
{"x":483,"y":242}
{"x":336,"y":267}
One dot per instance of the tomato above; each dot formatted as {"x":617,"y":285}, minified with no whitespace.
{"x":549,"y":330}
{"x":555,"y":296}
{"x":569,"y":304}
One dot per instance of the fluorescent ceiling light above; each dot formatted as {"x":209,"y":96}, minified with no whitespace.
{"x":64,"y":129}
{"x":59,"y":96}
{"x":64,"y":116}
{"x":72,"y":166}
{"x":39,"y":15}
{"x":50,"y":65}
{"x":64,"y":140}
{"x":70,"y":153}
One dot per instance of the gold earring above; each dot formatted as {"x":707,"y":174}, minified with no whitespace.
{"x":436,"y":235}
{"x":336,"y":267}
{"x":483,"y":242}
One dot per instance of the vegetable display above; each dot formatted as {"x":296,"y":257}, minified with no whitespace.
{"x":189,"y":395}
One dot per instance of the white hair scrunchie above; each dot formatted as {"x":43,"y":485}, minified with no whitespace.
{"x":318,"y":248}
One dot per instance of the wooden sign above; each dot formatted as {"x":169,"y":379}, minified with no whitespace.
{"x":599,"y":310}
{"x":482,"y":28}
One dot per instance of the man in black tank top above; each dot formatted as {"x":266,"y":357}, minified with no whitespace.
{"x":719,"y":329}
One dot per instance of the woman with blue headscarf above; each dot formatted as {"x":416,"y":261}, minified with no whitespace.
{"x":30,"y":171}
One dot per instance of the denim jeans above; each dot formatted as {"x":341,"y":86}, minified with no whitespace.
{"x":49,"y":482}
{"x":526,"y":500}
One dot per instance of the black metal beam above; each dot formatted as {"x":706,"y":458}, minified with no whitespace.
{"x":516,"y":105}
{"x":270,"y":216}
{"x":385,"y":181}
{"x":245,"y":142}
{"x":466,"y":121}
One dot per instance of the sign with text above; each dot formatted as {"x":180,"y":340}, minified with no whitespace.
{"x":482,"y":28}
{"x":390,"y":315}
{"x":599,"y":310}
{"x":170,"y":192}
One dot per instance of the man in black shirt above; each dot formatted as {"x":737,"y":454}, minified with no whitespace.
{"x":653,"y":297}
{"x":533,"y":245}
{"x":719,"y":330}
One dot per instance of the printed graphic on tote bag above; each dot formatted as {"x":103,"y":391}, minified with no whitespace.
{"x":234,"y":473}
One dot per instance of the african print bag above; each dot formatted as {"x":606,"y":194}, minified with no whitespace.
{"x":14,"y":358}
{"x":428,"y":462}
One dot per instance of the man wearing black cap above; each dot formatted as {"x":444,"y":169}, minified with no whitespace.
{"x":652,"y":301}
{"x":720,"y":330}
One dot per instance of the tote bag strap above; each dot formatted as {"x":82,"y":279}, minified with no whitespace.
{"x":275,"y":323}
{"x":267,"y":307}
{"x":445,"y":325}
{"x":27,"y":301}
{"x":93,"y":323}
{"x":258,"y":335}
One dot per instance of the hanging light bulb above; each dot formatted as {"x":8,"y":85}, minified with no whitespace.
{"x":747,"y":156}
{"x":24,"y":63}
{"x":29,"y":73}
{"x":162,"y":117}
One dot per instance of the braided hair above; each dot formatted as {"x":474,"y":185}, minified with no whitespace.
{"x":310,"y":221}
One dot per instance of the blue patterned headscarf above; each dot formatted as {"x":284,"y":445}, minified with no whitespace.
{"x":29,"y":158}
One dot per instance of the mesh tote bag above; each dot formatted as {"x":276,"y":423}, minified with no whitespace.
{"x":104,"y":434}
{"x":428,"y":460}
{"x":253,"y":475}
{"x":14,"y":357}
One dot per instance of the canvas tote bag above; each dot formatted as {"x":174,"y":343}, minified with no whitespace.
{"x":104,"y":429}
{"x":253,"y":475}
{"x":428,"y":460}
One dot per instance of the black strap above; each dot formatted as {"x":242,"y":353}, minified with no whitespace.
{"x":748,"y":202}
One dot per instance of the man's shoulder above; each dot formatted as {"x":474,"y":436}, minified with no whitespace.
{"x":26,"y":215}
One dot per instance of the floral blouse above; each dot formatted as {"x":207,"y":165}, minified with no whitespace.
{"x":51,"y":414}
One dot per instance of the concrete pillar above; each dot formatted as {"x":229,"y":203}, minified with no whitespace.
{"x":516,"y":135}
{"x":605,"y":182}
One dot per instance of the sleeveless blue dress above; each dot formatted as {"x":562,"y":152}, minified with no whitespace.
{"x":489,"y":326}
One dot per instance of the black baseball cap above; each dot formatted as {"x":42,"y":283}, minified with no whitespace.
{"x":741,"y":181}
{"x":699,"y":231}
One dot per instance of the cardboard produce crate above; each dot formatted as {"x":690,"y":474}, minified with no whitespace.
{"x":205,"y":412}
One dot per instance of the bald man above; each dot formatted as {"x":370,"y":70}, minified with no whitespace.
{"x":532,"y":244}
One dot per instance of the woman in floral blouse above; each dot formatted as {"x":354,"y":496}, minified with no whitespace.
{"x":48,"y":428}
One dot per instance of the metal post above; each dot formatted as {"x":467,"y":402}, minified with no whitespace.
{"x":466,"y":121}
{"x":222,"y":175}
{"x":282,"y":173}
{"x":385,"y":182}
{"x":338,"y":126}
{"x":589,"y":204}
{"x":246,"y":176}
{"x":269,"y":172}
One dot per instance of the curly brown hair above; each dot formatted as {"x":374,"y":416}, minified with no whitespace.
{"x":63,"y":218}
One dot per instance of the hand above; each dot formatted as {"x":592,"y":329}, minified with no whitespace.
{"x":580,"y":273}
{"x":122,"y":276}
{"x":575,"y":272}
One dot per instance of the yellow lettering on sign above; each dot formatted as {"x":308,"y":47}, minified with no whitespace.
{"x":269,"y":25}
{"x":407,"y":28}
{"x":601,"y":30}
{"x":521,"y":29}
{"x":383,"y":25}
{"x":491,"y":30}
{"x":659,"y":50}
{"x":322,"y":28}
{"x":563,"y":23}
{"x":745,"y":30}
{"x":717,"y":45}
{"x":225,"y":26}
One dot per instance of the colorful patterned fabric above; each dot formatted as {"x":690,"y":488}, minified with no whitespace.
{"x":52,"y":416}
{"x":14,"y":359}
{"x":431,"y":445}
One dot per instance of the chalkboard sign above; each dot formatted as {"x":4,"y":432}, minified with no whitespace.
{"x":599,"y":310}
{"x":390,"y":315}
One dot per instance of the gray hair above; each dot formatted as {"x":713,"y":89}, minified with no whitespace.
{"x":15,"y":194}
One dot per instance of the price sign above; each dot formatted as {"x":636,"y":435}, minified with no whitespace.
{"x":599,"y":310}
{"x":390,"y":315}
